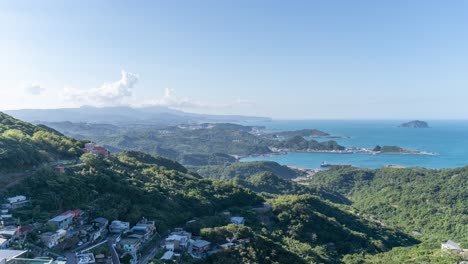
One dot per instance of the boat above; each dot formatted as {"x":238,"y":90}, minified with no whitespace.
{"x":324,"y":164}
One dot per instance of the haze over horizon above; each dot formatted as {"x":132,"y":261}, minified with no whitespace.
{"x":307,"y":60}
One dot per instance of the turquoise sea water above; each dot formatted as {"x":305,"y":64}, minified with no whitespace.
{"x":448,"y":139}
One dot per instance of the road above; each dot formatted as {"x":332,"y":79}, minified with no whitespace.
{"x":149,"y":256}
{"x":115,"y":256}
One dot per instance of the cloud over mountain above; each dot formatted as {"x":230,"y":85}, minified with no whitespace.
{"x":108,"y":94}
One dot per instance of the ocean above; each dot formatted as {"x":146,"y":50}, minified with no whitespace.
{"x":447,"y":139}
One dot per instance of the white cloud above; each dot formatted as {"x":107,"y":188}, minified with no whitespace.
{"x":34,"y":89}
{"x":108,"y":94}
{"x":170,"y":99}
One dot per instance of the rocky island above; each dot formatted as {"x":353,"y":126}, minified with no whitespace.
{"x":398,"y":150}
{"x":415,"y":124}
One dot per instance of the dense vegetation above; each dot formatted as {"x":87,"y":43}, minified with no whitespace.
{"x":23,"y":145}
{"x":298,"y":143}
{"x":247,"y":169}
{"x":301,"y":133}
{"x":432,"y":202}
{"x":129,"y":186}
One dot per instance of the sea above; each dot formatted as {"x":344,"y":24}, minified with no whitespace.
{"x":447,"y":139}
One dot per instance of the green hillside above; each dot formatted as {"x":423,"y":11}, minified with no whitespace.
{"x":23,"y":145}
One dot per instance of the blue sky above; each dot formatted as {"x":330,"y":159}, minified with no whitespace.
{"x":284,"y":59}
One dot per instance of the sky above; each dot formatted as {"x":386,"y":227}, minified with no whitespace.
{"x":283,"y":59}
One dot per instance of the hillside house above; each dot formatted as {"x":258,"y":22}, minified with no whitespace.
{"x":200,"y":247}
{"x":59,"y":169}
{"x":9,"y":231}
{"x":78,"y":216}
{"x":96,"y":150}
{"x":130,"y":245}
{"x":52,"y":239}
{"x":62,"y":221}
{"x":177,"y":240}
{"x":119,"y":227}
{"x":16,"y":202}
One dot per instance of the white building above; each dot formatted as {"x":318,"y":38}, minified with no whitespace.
{"x":118,"y":227}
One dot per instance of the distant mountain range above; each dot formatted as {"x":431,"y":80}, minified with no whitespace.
{"x":123,"y":115}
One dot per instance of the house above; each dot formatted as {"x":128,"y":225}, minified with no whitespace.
{"x":177,"y":241}
{"x":6,"y":255}
{"x":50,"y":239}
{"x":199,"y":247}
{"x":143,"y":229}
{"x":237,"y":220}
{"x":7,"y":219}
{"x":59,"y":169}
{"x":78,"y":215}
{"x":118,"y":227}
{"x":62,"y":221}
{"x":87,"y":258}
{"x":101,"y":222}
{"x":96,"y":150}
{"x":9,"y":231}
{"x":130,"y":245}
{"x":17,"y":202}
{"x":227,"y":245}
{"x":4,"y":243}
{"x":451,"y":247}
{"x":168,"y":255}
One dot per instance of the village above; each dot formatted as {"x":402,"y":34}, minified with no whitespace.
{"x":74,"y":237}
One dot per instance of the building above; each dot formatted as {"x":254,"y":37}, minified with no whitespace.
{"x":4,"y":243}
{"x":101,"y":222}
{"x":6,"y":255}
{"x":176,"y":242}
{"x":87,"y":258}
{"x":59,"y":169}
{"x":7,"y":219}
{"x":17,"y":202}
{"x":238,"y":220}
{"x":130,"y":245}
{"x":78,"y":215}
{"x":143,"y":229}
{"x":9,"y":231}
{"x":62,"y":221}
{"x":454,"y":248}
{"x":118,"y":227}
{"x":451,"y":247}
{"x":51,"y":239}
{"x":96,"y":150}
{"x":200,"y":247}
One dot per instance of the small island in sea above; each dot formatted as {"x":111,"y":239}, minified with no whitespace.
{"x":415,"y":124}
{"x":398,"y":150}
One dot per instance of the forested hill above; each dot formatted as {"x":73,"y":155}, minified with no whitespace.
{"x":23,"y":145}
{"x":131,"y":185}
{"x":432,"y":202}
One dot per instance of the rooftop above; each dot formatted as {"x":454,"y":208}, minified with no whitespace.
{"x":60,"y":218}
{"x":6,"y":254}
{"x":200,"y":243}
